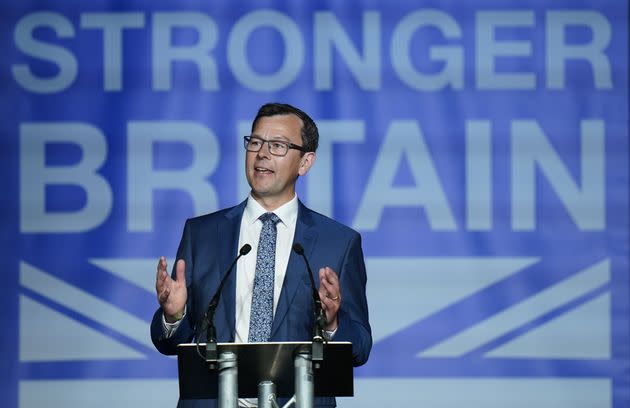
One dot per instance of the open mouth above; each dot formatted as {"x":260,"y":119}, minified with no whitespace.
{"x":263,"y":170}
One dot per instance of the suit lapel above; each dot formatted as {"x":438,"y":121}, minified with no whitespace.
{"x":228,"y":231}
{"x":305,"y":235}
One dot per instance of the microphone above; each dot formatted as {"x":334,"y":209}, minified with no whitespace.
{"x":208,"y":318}
{"x":318,"y":311}
{"x":215,"y":299}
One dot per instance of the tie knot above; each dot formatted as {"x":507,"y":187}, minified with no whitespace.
{"x":269,"y":218}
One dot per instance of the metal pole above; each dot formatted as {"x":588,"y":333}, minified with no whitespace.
{"x":228,"y":380}
{"x":304,"y":385}
{"x":267,"y":395}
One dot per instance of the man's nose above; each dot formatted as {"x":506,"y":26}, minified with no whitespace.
{"x":265,"y":150}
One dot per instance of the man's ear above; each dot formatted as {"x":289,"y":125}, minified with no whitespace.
{"x":306,"y":162}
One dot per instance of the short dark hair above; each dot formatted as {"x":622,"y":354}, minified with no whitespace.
{"x":310,"y":135}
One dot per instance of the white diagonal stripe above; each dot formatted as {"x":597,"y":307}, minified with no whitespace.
{"x":66,"y":338}
{"x":580,"y":334}
{"x":85,"y":304}
{"x":523,"y":312}
{"x":138,"y":271}
{"x":414,"y":288}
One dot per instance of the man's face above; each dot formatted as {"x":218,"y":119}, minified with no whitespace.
{"x":272,"y":178}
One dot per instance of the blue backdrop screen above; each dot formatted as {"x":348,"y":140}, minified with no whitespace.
{"x":481,"y":150}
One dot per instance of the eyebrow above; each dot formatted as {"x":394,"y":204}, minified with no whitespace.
{"x":274,"y":137}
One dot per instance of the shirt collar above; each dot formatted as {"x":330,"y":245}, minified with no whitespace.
{"x":287,"y":212}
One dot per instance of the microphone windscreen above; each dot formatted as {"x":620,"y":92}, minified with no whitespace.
{"x":298,"y":249}
{"x":245,"y":249}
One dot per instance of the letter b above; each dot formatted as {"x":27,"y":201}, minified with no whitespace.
{"x":35,"y":175}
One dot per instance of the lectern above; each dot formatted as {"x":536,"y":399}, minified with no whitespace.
{"x":265,"y":371}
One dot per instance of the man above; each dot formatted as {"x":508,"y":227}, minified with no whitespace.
{"x":269,"y":297}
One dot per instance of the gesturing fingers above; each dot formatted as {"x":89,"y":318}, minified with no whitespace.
{"x":163,"y":294}
{"x":329,"y":290}
{"x":330,"y":295}
{"x":161,"y":274}
{"x":163,"y":282}
{"x":329,"y":281}
{"x":180,"y":269}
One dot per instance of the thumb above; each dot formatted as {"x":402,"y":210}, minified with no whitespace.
{"x":180,"y":273}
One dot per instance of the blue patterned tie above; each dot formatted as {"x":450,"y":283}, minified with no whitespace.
{"x":262,"y":297}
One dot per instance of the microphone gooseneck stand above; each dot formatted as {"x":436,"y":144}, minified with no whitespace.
{"x":208,"y":319}
{"x":304,"y":360}
{"x":320,"y":318}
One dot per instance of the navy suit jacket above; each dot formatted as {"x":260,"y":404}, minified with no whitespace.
{"x":209,"y":245}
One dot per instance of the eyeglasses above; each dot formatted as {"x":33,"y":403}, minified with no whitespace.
{"x":276,"y":147}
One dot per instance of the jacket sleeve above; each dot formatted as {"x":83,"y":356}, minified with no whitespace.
{"x":186,"y":330}
{"x":354,"y":325}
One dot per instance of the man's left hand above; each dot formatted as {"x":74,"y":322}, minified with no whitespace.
{"x":330,"y":296}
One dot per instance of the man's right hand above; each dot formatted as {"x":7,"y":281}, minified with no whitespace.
{"x":171,"y":294}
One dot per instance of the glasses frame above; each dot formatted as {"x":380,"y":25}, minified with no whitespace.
{"x":247,"y":139}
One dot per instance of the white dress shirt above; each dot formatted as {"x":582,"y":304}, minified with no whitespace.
{"x":246,"y":266}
